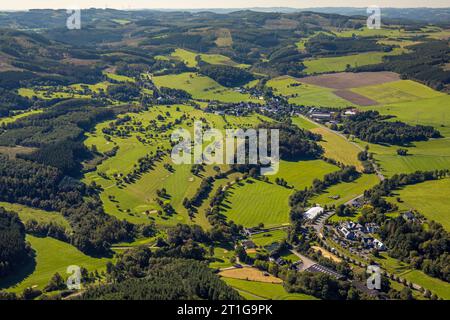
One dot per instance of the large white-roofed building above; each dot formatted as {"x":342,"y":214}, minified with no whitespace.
{"x":313,"y":213}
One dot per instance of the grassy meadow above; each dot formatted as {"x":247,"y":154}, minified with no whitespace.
{"x":27,"y":213}
{"x":430,"y":198}
{"x":201,"y":87}
{"x":51,"y":256}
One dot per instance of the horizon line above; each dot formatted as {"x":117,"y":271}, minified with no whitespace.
{"x":217,"y":8}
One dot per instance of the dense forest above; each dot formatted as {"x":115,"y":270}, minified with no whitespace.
{"x":13,"y":249}
{"x":139,"y":276}
{"x":371,"y":127}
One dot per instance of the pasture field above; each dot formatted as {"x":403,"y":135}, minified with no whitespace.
{"x":118,"y":77}
{"x":431,"y":112}
{"x":252,"y":290}
{"x":267,"y":238}
{"x":249,"y":273}
{"x":437,"y":286}
{"x":398,"y":91}
{"x":189,"y":58}
{"x":430,"y":198}
{"x":51,"y":256}
{"x":26,"y":214}
{"x":301,"y":174}
{"x":201,"y":87}
{"x":441,"y":288}
{"x":338,"y":148}
{"x":384,"y":32}
{"x":252,"y":201}
{"x":346,"y":191}
{"x":425,"y":155}
{"x":339,"y":64}
{"x":307,"y":94}
{"x":304,"y":123}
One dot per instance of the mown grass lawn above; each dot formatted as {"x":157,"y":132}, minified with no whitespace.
{"x":253,"y":202}
{"x":301,"y":174}
{"x":51,"y":256}
{"x":266,"y":238}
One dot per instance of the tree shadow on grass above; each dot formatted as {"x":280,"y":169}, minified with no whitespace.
{"x":19,"y":274}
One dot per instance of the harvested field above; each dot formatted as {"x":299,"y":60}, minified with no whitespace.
{"x":347,"y":80}
{"x":327,"y":254}
{"x":248,"y":273}
{"x":355,"y":98}
{"x":12,"y":152}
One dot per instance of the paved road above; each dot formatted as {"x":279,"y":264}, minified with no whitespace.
{"x":307,"y":262}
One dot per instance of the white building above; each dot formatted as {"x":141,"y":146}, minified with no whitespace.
{"x":312,"y":213}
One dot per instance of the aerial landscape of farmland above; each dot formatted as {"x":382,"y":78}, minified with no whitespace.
{"x":95,"y":206}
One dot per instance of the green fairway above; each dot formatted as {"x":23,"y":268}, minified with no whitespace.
{"x":267,"y":238}
{"x":51,"y":256}
{"x":201,"y":87}
{"x":398,"y":91}
{"x":430,"y":198}
{"x":26,"y":214}
{"x":306,"y":94}
{"x":301,"y":174}
{"x":136,"y":202}
{"x":253,"y":201}
{"x":253,"y":290}
{"x":346,"y":191}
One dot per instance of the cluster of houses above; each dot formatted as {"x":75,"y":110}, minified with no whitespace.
{"x":353,"y":231}
{"x":327,"y":116}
